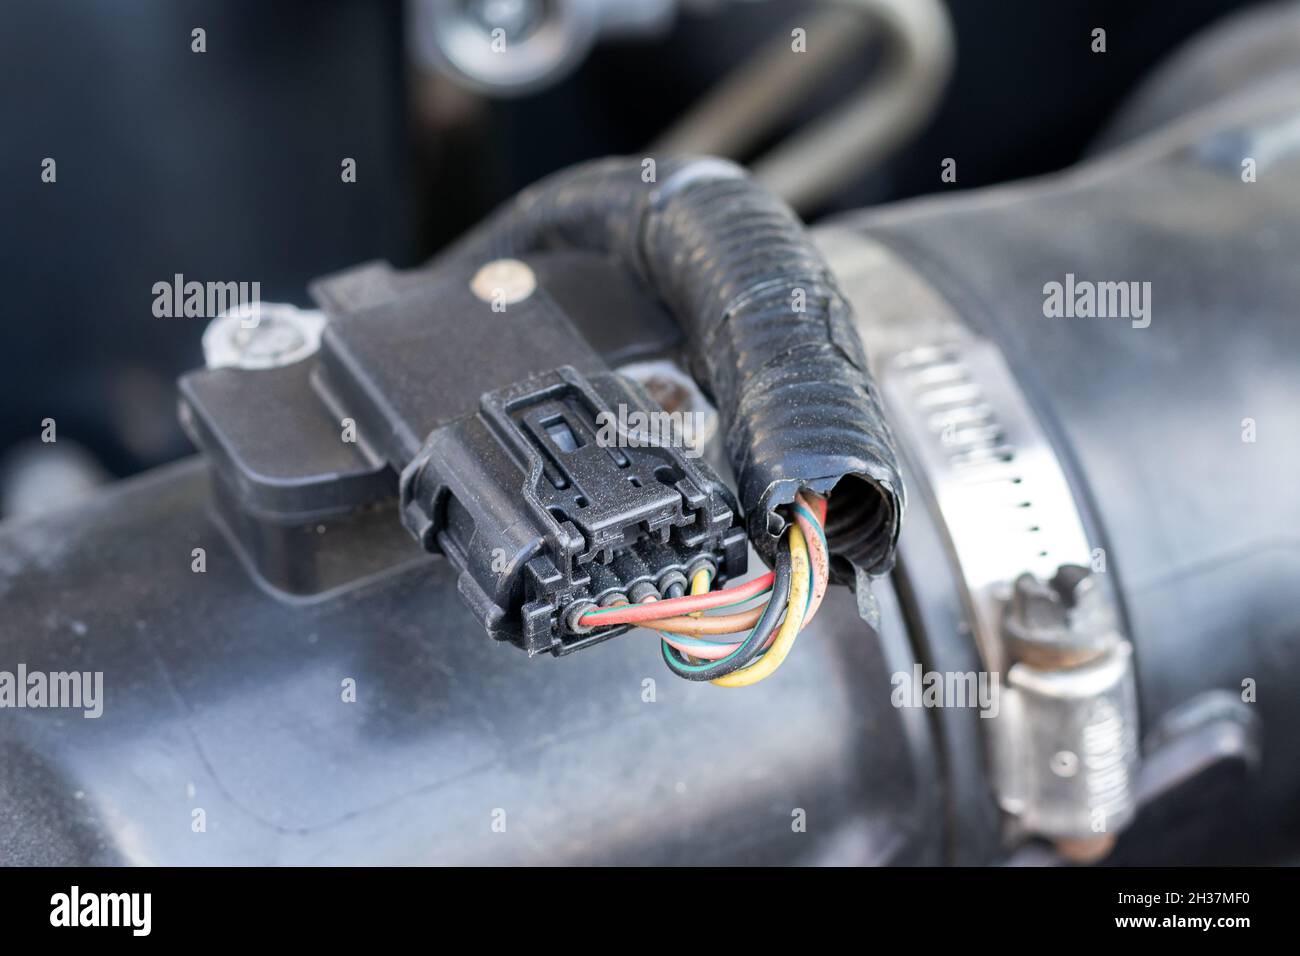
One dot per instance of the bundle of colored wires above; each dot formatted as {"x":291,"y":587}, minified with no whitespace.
{"x":709,"y":648}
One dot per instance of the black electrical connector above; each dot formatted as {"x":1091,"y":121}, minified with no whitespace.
{"x":547,"y":517}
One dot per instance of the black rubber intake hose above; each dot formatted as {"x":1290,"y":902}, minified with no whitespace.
{"x":771,"y":334}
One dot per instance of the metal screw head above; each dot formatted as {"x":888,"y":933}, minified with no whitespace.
{"x":1065,"y":763}
{"x":267,"y":335}
{"x":1063,"y":622}
{"x":504,"y":281}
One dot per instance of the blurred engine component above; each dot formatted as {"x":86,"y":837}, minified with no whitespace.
{"x":36,"y":478}
{"x":514,"y":47}
{"x":814,"y":162}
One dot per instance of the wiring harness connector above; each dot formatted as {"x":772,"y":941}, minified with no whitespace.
{"x":746,"y":644}
{"x":544,"y":516}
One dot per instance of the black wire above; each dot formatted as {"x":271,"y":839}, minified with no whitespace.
{"x":753,"y":645}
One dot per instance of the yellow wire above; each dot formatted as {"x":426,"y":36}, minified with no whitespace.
{"x":766,"y":665}
{"x":700,"y":585}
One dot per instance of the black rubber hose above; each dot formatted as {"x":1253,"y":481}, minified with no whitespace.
{"x":771,"y":333}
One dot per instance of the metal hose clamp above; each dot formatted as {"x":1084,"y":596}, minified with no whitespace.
{"x":1063,"y":743}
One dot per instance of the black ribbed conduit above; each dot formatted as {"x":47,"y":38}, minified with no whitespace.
{"x":771,"y":334}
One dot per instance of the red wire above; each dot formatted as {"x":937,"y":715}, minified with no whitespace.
{"x":672,"y":607}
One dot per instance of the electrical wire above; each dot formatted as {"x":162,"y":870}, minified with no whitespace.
{"x":811,"y":525}
{"x":640,"y":613}
{"x":701,"y":582}
{"x":753,"y":644}
{"x":818,"y":551}
{"x":698,"y":626}
{"x":800,"y":596}
{"x":694,"y":657}
{"x":729,"y":672}
{"x":706,"y":647}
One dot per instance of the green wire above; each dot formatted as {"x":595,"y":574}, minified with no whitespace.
{"x":696,"y":668}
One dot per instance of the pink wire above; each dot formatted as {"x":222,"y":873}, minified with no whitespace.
{"x":820,"y":562}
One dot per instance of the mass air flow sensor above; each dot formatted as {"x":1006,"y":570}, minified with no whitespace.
{"x":471,"y":404}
